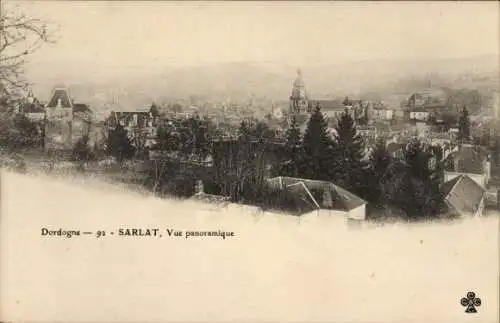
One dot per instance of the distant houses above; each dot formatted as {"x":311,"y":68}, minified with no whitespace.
{"x":360,"y":110}
{"x":432,"y":98}
{"x":441,"y":105}
{"x":141,"y":126}
{"x":132,"y":119}
{"x":32,"y":108}
{"x":189,"y":112}
{"x":380,"y":113}
{"x":419,"y":114}
{"x":469,"y":160}
{"x":62,"y":121}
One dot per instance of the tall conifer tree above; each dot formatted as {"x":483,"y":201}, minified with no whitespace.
{"x":414,"y":187}
{"x":119,"y":144}
{"x":350,"y":147}
{"x":293,"y":149}
{"x":380,"y":160}
{"x":319,"y":149}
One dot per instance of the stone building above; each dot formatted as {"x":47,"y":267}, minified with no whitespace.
{"x":66,"y":122}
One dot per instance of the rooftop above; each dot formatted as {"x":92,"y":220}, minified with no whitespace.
{"x":60,"y":98}
{"x":314,"y":192}
{"x":469,"y":158}
{"x":80,"y":107}
{"x":463,"y":194}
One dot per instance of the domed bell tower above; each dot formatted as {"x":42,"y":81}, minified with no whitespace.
{"x":298,"y":98}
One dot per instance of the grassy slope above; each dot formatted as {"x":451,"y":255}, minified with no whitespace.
{"x":276,"y":268}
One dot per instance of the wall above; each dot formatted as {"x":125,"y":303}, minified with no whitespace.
{"x":358,"y":213}
{"x":58,"y":128}
{"x":330,"y":213}
{"x":480,"y":210}
{"x":35,"y":116}
{"x":422,"y":116}
{"x":487,"y":172}
{"x":492,"y":199}
{"x":381,"y":114}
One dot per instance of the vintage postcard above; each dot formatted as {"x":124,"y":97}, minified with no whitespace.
{"x":238,"y":161}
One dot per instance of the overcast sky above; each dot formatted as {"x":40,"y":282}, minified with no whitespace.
{"x":111,"y":35}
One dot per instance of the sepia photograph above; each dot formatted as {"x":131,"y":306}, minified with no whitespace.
{"x":249,"y":161}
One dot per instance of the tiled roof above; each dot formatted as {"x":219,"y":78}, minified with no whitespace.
{"x":448,"y":186}
{"x":60,"y":94}
{"x":432,"y":96}
{"x":303,"y":197}
{"x":463,"y":194}
{"x":294,"y":200}
{"x":470,"y":159}
{"x":325,"y":194}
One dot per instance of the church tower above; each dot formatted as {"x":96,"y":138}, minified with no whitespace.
{"x":59,"y":120}
{"x":298,"y":99}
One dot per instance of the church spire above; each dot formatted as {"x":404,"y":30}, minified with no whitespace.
{"x":298,"y":98}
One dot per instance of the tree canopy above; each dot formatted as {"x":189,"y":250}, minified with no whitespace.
{"x":20,"y":36}
{"x":319,"y":153}
{"x":351,"y":151}
{"x":119,"y":145}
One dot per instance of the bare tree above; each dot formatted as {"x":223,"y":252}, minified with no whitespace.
{"x":20,"y":36}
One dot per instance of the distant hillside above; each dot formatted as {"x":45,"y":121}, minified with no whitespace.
{"x":240,"y":81}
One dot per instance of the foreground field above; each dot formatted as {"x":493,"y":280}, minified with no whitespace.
{"x":273,"y":269}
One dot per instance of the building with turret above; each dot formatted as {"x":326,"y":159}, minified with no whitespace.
{"x":301,"y":105}
{"x":66,"y":122}
{"x":32,"y":108}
